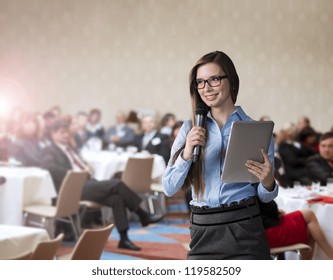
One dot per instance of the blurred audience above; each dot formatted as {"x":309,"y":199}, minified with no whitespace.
{"x":133,"y":121}
{"x":94,"y":125}
{"x":167,"y":123}
{"x":120,"y":134}
{"x":304,"y":128}
{"x":49,"y":118}
{"x":320,"y":166}
{"x":151,"y":140}
{"x":27,"y":148}
{"x":303,"y":122}
{"x":308,"y":138}
{"x":79,"y":129}
{"x":293,"y":155}
{"x":56,"y":110}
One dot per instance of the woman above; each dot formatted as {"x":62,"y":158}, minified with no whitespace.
{"x":79,"y":130}
{"x":293,"y":155}
{"x":284,"y":229}
{"x":225,"y":219}
{"x":167,"y":123}
{"x":28,"y":148}
{"x":94,"y":125}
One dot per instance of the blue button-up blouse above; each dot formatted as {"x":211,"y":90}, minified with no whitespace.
{"x":216,"y":192}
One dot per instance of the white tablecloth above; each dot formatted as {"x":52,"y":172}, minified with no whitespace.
{"x":290,"y":200}
{"x":24,"y":186}
{"x":17,"y":240}
{"x":106,"y":163}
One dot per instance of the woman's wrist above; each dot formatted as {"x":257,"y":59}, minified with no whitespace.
{"x":269,"y":186}
{"x":186,"y":155}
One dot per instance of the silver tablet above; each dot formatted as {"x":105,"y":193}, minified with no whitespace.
{"x":245,"y":142}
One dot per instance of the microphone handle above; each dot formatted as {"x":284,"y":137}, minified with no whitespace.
{"x":196,"y":153}
{"x":199,"y":121}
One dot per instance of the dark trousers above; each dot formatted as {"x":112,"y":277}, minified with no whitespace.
{"x":231,"y":232}
{"x":113,"y":193}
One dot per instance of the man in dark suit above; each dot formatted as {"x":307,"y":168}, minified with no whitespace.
{"x":294,"y":155}
{"x":320,"y":167}
{"x":151,"y":140}
{"x":59,"y":157}
{"x":119,"y":135}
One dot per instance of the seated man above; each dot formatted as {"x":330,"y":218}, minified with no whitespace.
{"x":151,"y":140}
{"x":293,"y":155}
{"x":119,"y":135}
{"x":320,"y":167}
{"x":59,"y":157}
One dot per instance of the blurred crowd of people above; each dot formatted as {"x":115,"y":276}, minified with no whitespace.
{"x":303,"y":154}
{"x":54,"y":141}
{"x":23,"y":135}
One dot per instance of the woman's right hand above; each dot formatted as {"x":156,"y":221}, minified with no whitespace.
{"x":196,"y":136}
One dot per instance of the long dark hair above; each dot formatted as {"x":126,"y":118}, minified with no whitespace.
{"x":195,"y":175}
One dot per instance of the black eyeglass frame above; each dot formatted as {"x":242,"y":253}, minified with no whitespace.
{"x":207,"y":81}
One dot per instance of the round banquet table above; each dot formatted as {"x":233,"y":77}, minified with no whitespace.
{"x":17,"y":240}
{"x":291,"y":200}
{"x":23,"y":186}
{"x":108,"y":163}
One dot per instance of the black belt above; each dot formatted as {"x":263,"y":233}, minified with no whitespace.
{"x":234,"y":212}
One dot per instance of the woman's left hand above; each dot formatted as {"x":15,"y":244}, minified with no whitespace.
{"x":263,"y":171}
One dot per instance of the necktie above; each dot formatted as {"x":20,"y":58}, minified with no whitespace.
{"x":75,"y":159}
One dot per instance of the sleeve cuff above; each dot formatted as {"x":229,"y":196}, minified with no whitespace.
{"x":181,"y":162}
{"x":267,"y":196}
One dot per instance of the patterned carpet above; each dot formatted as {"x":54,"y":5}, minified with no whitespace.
{"x":167,"y":240}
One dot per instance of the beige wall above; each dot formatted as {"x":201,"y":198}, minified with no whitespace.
{"x":126,"y":54}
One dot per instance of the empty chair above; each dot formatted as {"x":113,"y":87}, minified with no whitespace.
{"x":46,"y":250}
{"x":298,"y":248}
{"x":137,"y":176}
{"x":91,"y":243}
{"x":67,"y":204}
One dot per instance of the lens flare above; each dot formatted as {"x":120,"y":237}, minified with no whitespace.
{"x":12,"y":96}
{"x":4,"y":106}
{"x":13,"y":104}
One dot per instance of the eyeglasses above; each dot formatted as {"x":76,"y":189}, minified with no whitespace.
{"x":213,"y":81}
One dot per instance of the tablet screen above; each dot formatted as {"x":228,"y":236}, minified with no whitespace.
{"x":245,"y":142}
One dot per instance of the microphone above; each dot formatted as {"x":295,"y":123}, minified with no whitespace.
{"x":200,"y":120}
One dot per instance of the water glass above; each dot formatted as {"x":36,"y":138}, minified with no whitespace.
{"x":329,"y":185}
{"x":297,"y":187}
{"x":119,"y":150}
{"x":315,"y":187}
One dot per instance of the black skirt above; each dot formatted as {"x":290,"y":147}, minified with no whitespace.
{"x":229,"y":232}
